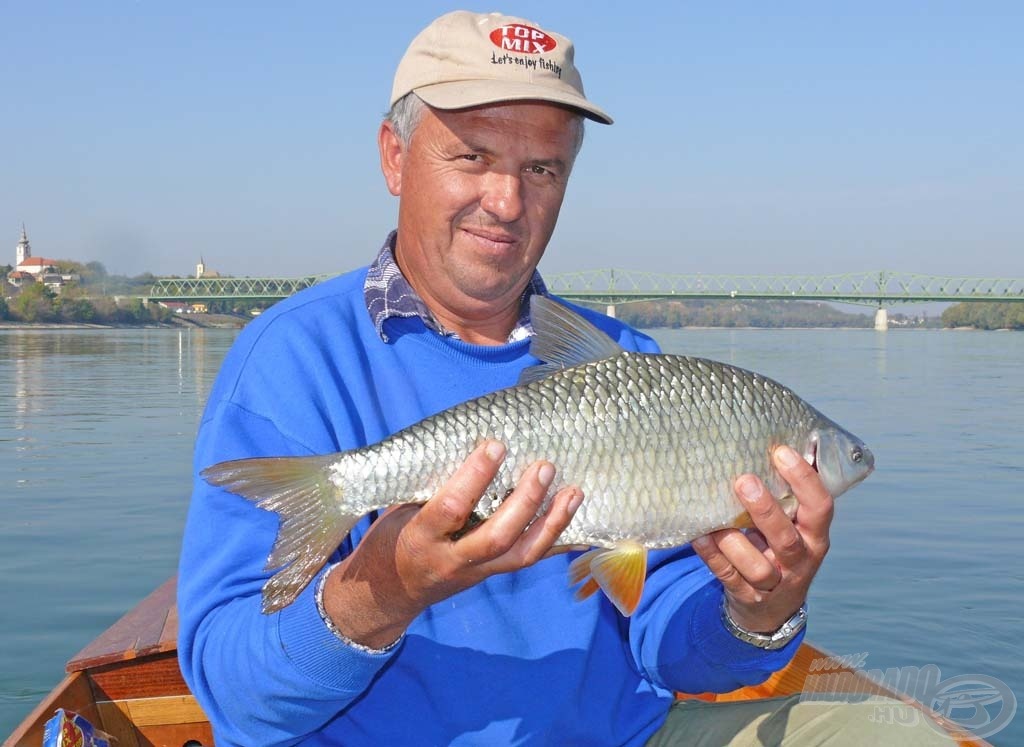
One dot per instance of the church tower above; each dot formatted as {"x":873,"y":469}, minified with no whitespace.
{"x":24,"y":250}
{"x":200,"y":268}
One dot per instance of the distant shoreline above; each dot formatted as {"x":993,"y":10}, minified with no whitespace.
{"x":194,"y":321}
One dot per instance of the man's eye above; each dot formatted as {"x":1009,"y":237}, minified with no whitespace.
{"x":470,"y":157}
{"x":539,"y":170}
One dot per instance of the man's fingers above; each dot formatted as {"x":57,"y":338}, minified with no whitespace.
{"x":505,"y":526}
{"x":771,"y":521}
{"x":781,"y":556}
{"x":537,"y":541}
{"x":814,"y":516}
{"x":449,"y":510}
{"x":757,"y":540}
{"x":749,"y":562}
{"x":710,"y":552}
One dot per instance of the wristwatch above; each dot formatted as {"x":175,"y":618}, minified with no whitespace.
{"x":767,"y":641}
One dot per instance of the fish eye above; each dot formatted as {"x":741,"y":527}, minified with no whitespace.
{"x":856,"y":455}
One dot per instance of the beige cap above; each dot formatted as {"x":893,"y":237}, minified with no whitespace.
{"x":467,"y":59}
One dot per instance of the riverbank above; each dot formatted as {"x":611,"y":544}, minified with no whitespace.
{"x":202,"y":321}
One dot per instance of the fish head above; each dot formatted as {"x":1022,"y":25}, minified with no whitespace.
{"x":841,"y":459}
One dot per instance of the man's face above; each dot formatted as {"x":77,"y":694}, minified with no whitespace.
{"x":480,"y":193}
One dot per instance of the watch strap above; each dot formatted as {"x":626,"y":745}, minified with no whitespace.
{"x":767,"y":641}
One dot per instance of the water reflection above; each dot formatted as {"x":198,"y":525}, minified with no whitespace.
{"x":61,"y":389}
{"x":881,"y":341}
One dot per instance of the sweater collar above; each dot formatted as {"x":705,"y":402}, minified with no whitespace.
{"x":388,"y":294}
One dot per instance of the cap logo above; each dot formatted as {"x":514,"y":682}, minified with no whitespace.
{"x":515,"y":37}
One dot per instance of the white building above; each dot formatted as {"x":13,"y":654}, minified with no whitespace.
{"x":24,"y":250}
{"x":25,"y":262}
{"x":202,"y":272}
{"x":39,"y":269}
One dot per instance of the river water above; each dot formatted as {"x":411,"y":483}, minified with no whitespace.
{"x":96,"y":430}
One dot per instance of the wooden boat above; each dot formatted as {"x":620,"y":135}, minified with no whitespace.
{"x":128,"y":684}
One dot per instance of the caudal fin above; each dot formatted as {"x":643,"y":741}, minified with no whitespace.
{"x":310,"y":508}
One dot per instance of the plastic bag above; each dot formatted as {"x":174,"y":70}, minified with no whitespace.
{"x":68,"y":729}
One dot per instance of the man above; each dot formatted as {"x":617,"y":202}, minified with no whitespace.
{"x":414,"y":634}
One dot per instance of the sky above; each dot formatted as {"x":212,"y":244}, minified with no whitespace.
{"x":750,"y":137}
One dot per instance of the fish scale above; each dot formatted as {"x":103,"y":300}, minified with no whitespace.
{"x":654,"y":441}
{"x":656,"y":466}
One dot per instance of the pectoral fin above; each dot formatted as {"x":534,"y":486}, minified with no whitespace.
{"x":619,"y":572}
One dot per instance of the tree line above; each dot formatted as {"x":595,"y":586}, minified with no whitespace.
{"x":90,"y":299}
{"x":37,"y":303}
{"x":87,"y":300}
{"x":723,"y":313}
{"x":984,"y":315}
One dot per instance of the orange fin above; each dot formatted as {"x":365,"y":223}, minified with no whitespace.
{"x":587,"y":589}
{"x":619,"y":571}
{"x":579,"y":569}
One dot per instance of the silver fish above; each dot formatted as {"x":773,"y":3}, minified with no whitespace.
{"x":654,"y":441}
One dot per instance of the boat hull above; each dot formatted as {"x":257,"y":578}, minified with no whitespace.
{"x":127,"y":683}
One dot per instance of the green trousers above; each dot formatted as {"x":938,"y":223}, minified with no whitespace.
{"x":787,"y":721}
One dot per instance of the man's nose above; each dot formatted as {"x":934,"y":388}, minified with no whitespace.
{"x":502,"y":196}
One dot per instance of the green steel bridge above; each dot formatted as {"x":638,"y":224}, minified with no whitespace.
{"x":880,"y":288}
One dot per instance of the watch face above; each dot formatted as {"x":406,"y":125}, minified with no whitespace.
{"x":790,"y":628}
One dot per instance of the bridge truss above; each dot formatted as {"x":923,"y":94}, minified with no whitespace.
{"x":880,"y":288}
{"x":215,"y":289}
{"x":876,"y":288}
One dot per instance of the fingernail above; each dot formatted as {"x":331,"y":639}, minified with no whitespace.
{"x":702,"y":542}
{"x":786,"y":456}
{"x":749,"y":488}
{"x":545,"y":475}
{"x":495,"y":450}
{"x":576,"y":501}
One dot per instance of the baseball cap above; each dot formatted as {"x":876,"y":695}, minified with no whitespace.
{"x":466,"y":59}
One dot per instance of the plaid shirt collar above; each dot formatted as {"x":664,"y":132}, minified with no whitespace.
{"x":388,"y":294}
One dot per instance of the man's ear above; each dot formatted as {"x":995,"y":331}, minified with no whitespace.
{"x":391,"y":155}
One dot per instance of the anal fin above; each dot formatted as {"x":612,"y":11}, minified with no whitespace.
{"x":619,"y":571}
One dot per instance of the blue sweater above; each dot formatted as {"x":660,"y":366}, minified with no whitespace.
{"x":514,"y":660}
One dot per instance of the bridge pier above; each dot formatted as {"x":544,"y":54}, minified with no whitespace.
{"x":881,"y":320}
{"x":610,"y":311}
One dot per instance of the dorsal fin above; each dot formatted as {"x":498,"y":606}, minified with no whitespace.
{"x":563,"y":339}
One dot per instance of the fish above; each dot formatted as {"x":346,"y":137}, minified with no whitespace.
{"x":655,"y":442}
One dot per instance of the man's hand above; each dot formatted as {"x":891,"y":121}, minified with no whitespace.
{"x":408,"y":559}
{"x":767,"y":572}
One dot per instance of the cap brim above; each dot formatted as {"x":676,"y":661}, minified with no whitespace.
{"x":466,"y":93}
